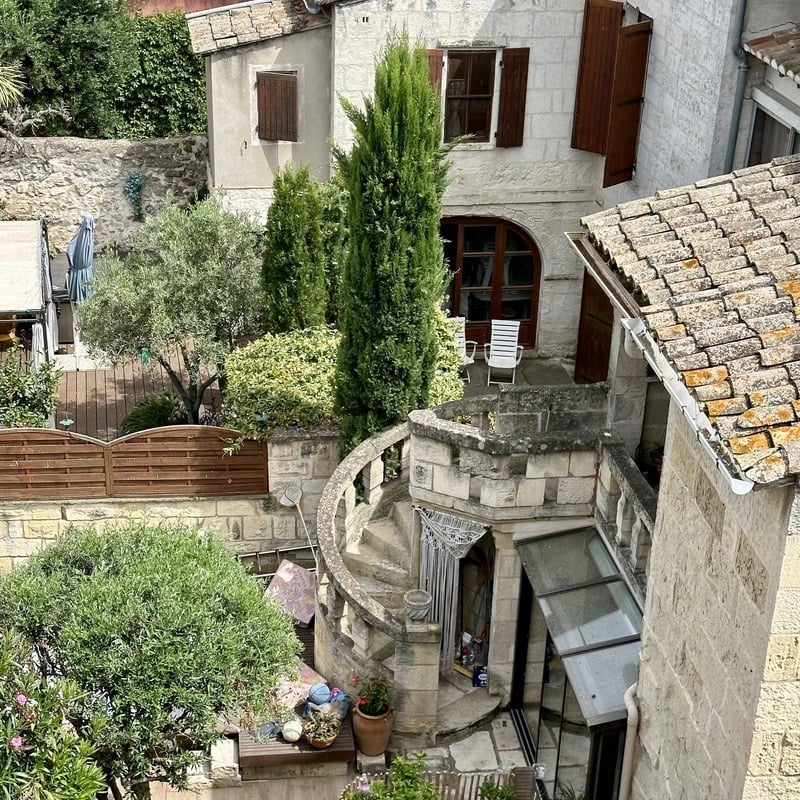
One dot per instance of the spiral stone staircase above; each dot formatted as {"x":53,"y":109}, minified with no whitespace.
{"x":383,"y":563}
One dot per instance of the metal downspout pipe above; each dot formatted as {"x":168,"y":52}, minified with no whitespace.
{"x":626,"y":778}
{"x":741,"y":79}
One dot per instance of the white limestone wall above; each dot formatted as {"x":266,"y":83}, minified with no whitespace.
{"x":243,"y":167}
{"x":774,"y":768}
{"x":543,"y":186}
{"x":715,"y":572}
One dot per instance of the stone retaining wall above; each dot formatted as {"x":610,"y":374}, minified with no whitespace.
{"x":64,"y":178}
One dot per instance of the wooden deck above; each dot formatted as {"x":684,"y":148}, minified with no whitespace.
{"x":97,"y":400}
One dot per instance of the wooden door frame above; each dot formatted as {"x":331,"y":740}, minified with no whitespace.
{"x":480,"y":331}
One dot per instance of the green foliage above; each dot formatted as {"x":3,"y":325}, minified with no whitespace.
{"x":41,"y":757}
{"x":489,"y":790}
{"x":166,"y":93}
{"x":447,"y":383}
{"x":394,"y":276}
{"x":154,"y":411}
{"x":163,"y":631}
{"x":77,"y":54}
{"x":281,"y":381}
{"x":133,"y":191}
{"x":191,"y":283}
{"x":405,"y":782}
{"x":293,"y":272}
{"x":11,"y":85}
{"x":372,"y":694}
{"x":335,"y":241}
{"x":27,"y":398}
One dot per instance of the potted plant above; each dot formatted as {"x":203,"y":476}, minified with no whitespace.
{"x":373,"y":715}
{"x":321,"y":728}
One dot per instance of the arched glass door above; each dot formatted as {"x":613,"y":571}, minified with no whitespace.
{"x":495,"y":274}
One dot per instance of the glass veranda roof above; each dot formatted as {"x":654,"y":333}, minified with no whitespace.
{"x":592,"y":617}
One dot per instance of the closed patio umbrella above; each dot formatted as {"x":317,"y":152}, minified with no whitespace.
{"x":80,"y":255}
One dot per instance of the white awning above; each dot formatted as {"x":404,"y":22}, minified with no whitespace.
{"x":21,"y":272}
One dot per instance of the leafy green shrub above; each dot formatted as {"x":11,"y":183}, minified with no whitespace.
{"x":162,"y":630}
{"x":447,"y":383}
{"x":72,"y":54}
{"x":27,"y":398}
{"x":405,"y":782}
{"x":281,"y":381}
{"x":155,"y":411}
{"x":40,"y":755}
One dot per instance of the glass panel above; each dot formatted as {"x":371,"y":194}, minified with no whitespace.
{"x":591,"y":615}
{"x":457,"y":70}
{"x":475,"y":305}
{"x":558,"y":562}
{"x":455,"y":119}
{"x":518,"y":271}
{"x":479,"y":113}
{"x":515,"y":305}
{"x":770,"y":139}
{"x":600,"y":678}
{"x":479,"y":238}
{"x":477,"y":271}
{"x":795,"y":143}
{"x":553,"y":686}
{"x":573,"y":755}
{"x":482,"y":74}
{"x":515,"y":242}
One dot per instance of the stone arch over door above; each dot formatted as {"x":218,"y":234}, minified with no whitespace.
{"x":495,"y":273}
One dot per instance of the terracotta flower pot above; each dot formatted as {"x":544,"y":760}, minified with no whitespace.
{"x":372,"y":733}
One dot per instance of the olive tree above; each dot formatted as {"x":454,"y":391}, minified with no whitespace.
{"x":162,"y":631}
{"x":190,"y":284}
{"x":393,"y":279}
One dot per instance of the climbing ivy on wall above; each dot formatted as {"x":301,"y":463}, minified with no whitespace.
{"x":165,"y":94}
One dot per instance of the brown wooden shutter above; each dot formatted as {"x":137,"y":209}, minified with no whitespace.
{"x":513,"y":92}
{"x":435,"y":64}
{"x":277,"y":106}
{"x":630,"y":73}
{"x":601,"y":25}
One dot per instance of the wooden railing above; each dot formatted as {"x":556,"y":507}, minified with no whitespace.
{"x":179,"y":460}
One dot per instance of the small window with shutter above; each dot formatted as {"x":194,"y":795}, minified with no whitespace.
{"x":277,"y":106}
{"x":483,"y":96}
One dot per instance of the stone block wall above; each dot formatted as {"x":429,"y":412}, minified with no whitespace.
{"x":718,"y":600}
{"x":63,"y":179}
{"x":248,"y":523}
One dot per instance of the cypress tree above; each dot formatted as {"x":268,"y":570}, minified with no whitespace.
{"x":293,"y":272}
{"x":393,"y":279}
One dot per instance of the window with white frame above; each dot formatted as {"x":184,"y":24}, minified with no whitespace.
{"x":483,"y":93}
{"x":776,"y":128}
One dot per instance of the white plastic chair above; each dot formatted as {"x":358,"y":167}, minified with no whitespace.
{"x":503,"y":352}
{"x":466,"y":347}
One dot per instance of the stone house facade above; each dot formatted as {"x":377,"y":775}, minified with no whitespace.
{"x":512,"y":190}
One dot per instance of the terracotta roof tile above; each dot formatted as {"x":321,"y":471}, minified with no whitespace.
{"x":776,"y":395}
{"x":744,"y":366}
{"x":728,"y":406}
{"x":713,"y":391}
{"x":697,"y":360}
{"x":721,"y":354}
{"x":780,"y":50}
{"x":717,"y":266}
{"x":762,"y":416}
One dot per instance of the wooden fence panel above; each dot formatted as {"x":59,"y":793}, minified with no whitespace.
{"x":40,"y":464}
{"x":186,"y":460}
{"x":180,"y":460}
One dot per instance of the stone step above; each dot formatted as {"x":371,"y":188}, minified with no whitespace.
{"x":402,"y":515}
{"x":387,"y":594}
{"x":364,"y":561}
{"x":385,"y":537}
{"x":462,"y":707}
